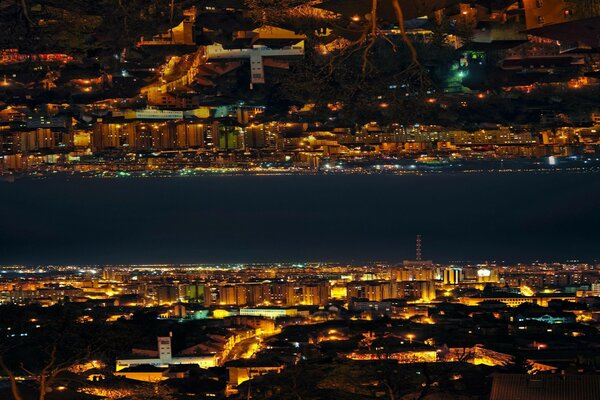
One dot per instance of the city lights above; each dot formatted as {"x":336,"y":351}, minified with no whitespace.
{"x":277,"y":199}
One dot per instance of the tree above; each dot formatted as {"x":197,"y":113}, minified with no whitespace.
{"x":46,"y":353}
{"x":14,"y":386}
{"x":359,"y":72}
{"x":52,"y":368}
{"x":83,"y":28}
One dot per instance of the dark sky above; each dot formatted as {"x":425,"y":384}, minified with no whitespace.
{"x":515,"y":217}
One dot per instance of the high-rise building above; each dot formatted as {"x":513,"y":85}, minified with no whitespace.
{"x":415,"y":274}
{"x":255,"y":136}
{"x":372,"y":290}
{"x":427,"y":290}
{"x":193,"y":293}
{"x":166,"y":294}
{"x":453,"y":276}
{"x":308,"y":294}
{"x":254,"y":293}
{"x":227,"y":295}
{"x":229,"y":137}
{"x":417,"y":290}
{"x":211,"y":295}
{"x":487,"y":275}
{"x":278,"y":293}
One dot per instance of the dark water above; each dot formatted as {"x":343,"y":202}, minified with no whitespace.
{"x":512,"y":217}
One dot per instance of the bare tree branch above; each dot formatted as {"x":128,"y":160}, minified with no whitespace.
{"x":13,"y":381}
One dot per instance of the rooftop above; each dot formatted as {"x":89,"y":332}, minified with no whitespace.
{"x":545,"y":387}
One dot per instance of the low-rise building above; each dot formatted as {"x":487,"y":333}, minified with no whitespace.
{"x":165,"y":358}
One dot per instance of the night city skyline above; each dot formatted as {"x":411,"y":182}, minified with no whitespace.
{"x":299,"y":199}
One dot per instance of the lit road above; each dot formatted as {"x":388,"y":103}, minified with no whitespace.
{"x":244,"y":349}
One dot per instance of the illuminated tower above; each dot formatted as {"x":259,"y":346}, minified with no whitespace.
{"x":418,"y":255}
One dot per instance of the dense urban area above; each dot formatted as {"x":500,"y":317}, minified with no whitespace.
{"x":411,"y":330}
{"x":277,"y":86}
{"x":497,"y":89}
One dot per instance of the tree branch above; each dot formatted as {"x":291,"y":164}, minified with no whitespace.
{"x":25,"y":10}
{"x":13,"y":381}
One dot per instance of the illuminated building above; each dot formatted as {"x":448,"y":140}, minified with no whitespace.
{"x":384,"y":307}
{"x":240,"y":294}
{"x":14,"y":114}
{"x":427,"y":290}
{"x":153,"y":114}
{"x":574,"y":26}
{"x":371,"y":290}
{"x":453,"y":276}
{"x":166,"y":294}
{"x":486,"y":275}
{"x":159,"y":92}
{"x":421,"y":290}
{"x":240,"y":371}
{"x":499,"y":136}
{"x":516,"y":300}
{"x":255,"y":136}
{"x":228,"y":295}
{"x":339,"y":292}
{"x":44,"y":139}
{"x":478,"y":355}
{"x":255,"y":55}
{"x":115,"y":275}
{"x":107,"y":136}
{"x":403,"y":357}
{"x":308,"y":294}
{"x":135,"y":135}
{"x":164,"y":358}
{"x":267,"y":312}
{"x":229,"y":138}
{"x":177,"y":311}
{"x":278,"y":292}
{"x":182,"y":34}
{"x":152,"y":374}
{"x":256,"y":293}
{"x":548,"y":317}
{"x":12,"y":56}
{"x":82,"y":139}
{"x":220,"y":314}
{"x":262,"y":325}
{"x":193,"y":293}
{"x":190,"y":136}
{"x":420,"y":272}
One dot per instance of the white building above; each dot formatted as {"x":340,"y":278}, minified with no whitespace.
{"x":153,"y":113}
{"x":165,"y":358}
{"x":272,"y":313}
{"x":255,"y":54}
